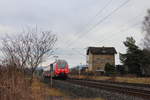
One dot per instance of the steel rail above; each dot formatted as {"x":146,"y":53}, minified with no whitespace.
{"x":111,"y":87}
{"x":117,"y":83}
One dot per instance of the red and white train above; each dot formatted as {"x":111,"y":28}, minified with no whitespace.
{"x":58,"y":69}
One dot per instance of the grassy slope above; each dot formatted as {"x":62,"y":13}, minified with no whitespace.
{"x":43,"y":89}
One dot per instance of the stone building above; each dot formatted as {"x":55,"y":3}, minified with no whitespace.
{"x":97,"y":57}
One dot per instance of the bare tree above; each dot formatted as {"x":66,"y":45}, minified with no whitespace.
{"x":29,"y":49}
{"x":146,"y":42}
{"x":146,"y":24}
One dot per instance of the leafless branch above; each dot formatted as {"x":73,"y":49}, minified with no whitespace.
{"x":28,"y":50}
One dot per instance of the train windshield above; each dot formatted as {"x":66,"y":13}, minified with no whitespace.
{"x":61,"y":63}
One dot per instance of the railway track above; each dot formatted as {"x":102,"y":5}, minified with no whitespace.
{"x":118,"y":83}
{"x":138,"y":90}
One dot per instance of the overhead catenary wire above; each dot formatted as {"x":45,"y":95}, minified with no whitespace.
{"x":118,"y":32}
{"x":129,"y":20}
{"x":121,"y":31}
{"x":79,"y":52}
{"x":99,"y":12}
{"x":99,"y":22}
{"x":93,"y":18}
{"x":112,"y":36}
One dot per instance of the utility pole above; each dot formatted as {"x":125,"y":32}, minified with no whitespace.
{"x":79,"y":69}
{"x":51,"y":70}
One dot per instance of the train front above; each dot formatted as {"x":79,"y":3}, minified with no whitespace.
{"x":61,"y":69}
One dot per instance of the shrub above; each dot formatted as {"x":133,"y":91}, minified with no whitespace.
{"x":110,"y":69}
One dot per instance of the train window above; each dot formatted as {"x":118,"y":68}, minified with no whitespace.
{"x":61,"y":64}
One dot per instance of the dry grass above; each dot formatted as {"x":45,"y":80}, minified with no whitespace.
{"x":55,"y":92}
{"x":41,"y":90}
{"x":13,"y":85}
{"x":83,"y":99}
{"x":133,"y":80}
{"x":117,"y":79}
{"x":65,"y":98}
{"x":38,"y":91}
{"x":88,"y":99}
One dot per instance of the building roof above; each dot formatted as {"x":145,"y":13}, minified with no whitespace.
{"x":101,"y":50}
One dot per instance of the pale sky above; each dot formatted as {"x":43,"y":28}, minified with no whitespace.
{"x":78,"y":24}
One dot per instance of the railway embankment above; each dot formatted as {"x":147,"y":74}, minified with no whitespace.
{"x":77,"y":91}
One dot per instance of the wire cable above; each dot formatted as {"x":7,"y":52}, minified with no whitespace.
{"x":98,"y":13}
{"x":102,"y":20}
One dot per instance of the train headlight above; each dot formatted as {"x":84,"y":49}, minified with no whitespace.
{"x":58,"y":70}
{"x":66,"y":70}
